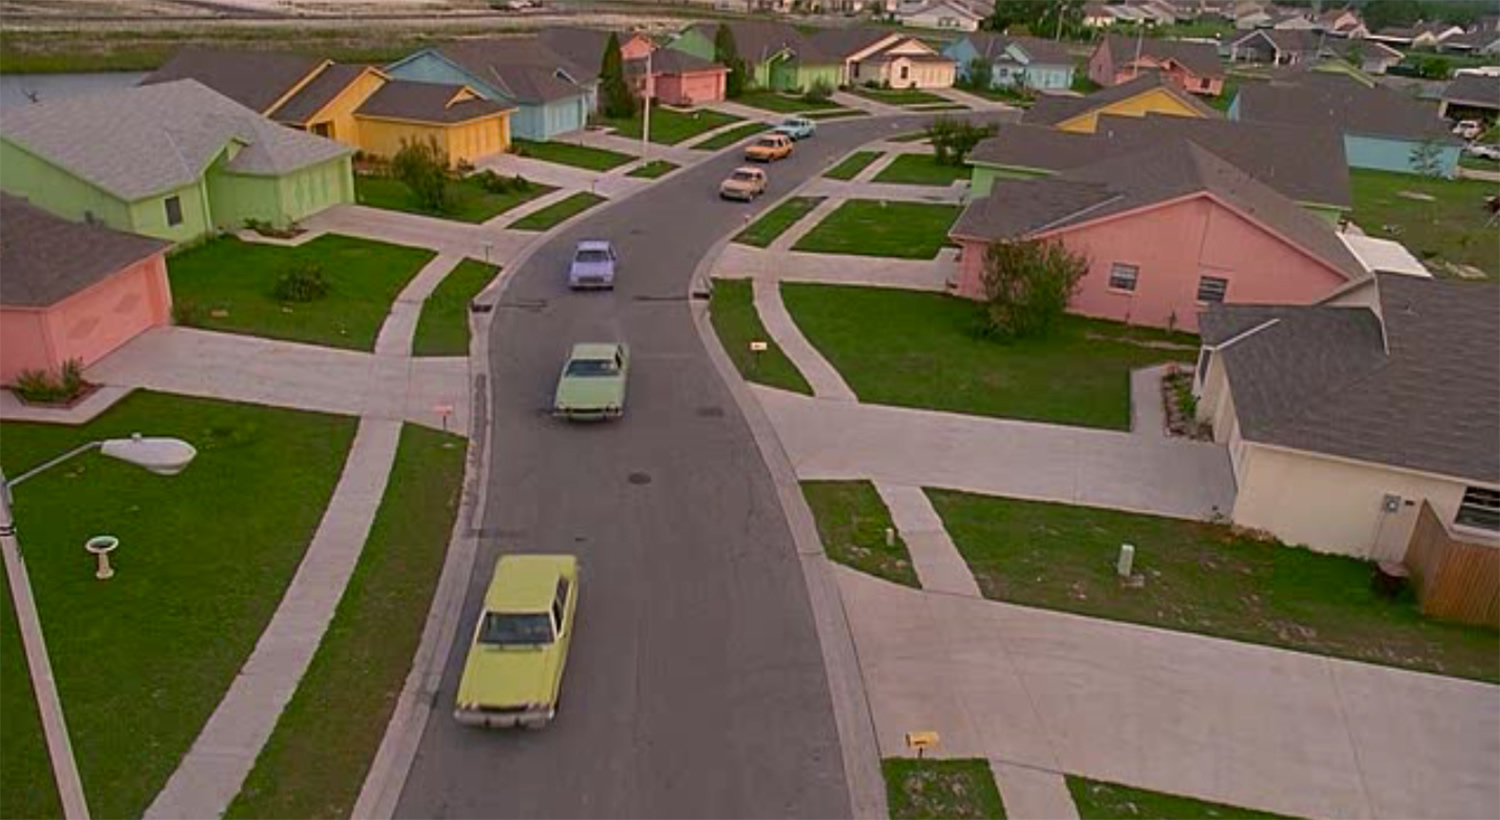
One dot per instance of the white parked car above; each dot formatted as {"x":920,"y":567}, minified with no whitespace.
{"x":593,"y":265}
{"x":1468,"y":129}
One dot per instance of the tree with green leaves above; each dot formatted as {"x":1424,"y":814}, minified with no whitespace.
{"x":953,"y":139}
{"x":1040,"y":18}
{"x":619,"y":101}
{"x":981,"y":74}
{"x":727,"y":54}
{"x":1027,"y":286}
{"x":1427,"y":158}
{"x":422,"y":166}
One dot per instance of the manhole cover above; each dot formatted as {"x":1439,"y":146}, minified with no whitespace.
{"x":714,"y":412}
{"x":639,"y":478}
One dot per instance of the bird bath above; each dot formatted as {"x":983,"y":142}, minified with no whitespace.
{"x":102,"y":546}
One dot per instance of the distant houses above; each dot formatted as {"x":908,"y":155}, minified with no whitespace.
{"x":1029,"y":62}
{"x":1150,"y":93}
{"x":777,"y":56}
{"x":1191,"y":66}
{"x":881,"y":58}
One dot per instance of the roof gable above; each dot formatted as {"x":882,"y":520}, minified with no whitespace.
{"x":1059,"y":110}
{"x":258,"y":80}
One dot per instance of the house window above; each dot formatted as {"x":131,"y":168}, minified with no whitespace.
{"x":1203,"y":83}
{"x":174,"y":210}
{"x":1480,"y":508}
{"x":905,"y":72}
{"x":323,"y":129}
{"x":1122,"y":276}
{"x":1212,"y":288}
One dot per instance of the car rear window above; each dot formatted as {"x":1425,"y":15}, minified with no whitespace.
{"x":592,"y":256}
{"x":744,"y":176}
{"x":516,"y":629}
{"x":592,"y":367}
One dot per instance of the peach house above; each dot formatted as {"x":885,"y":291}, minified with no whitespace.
{"x":73,"y":290}
{"x":1167,"y":231}
{"x":1191,"y":66}
{"x":679,"y":78}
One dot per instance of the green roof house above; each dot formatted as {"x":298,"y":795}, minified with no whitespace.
{"x":777,"y":56}
{"x":176,"y":161}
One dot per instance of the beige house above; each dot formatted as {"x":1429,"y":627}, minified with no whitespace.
{"x":1342,"y":417}
{"x":871,"y":56}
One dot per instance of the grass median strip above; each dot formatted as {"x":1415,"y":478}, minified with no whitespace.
{"x":921,"y":169}
{"x":940,"y":789}
{"x":670,"y":126}
{"x":229,"y":285}
{"x":557,"y":212}
{"x":204,"y":559}
{"x":316,"y":759}
{"x":653,"y":169}
{"x":1098,"y":800}
{"x":1079,"y":374}
{"x":900,"y":96}
{"x":565,"y":153}
{"x":27,"y":788}
{"x":867,"y":227}
{"x":1204,"y":578}
{"x":735,"y":320}
{"x":470,"y":202}
{"x":851,"y":165}
{"x":762,"y":232}
{"x":727,"y":138}
{"x":443,"y":328}
{"x":852,"y":522}
{"x":783,"y":103}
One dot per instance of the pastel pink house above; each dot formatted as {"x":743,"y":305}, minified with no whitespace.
{"x":73,"y":290}
{"x":684,"y":80}
{"x":1190,"y":66}
{"x":1166,"y":232}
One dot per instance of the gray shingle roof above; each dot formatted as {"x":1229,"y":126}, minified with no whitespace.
{"x":136,"y":142}
{"x":758,"y":41}
{"x":1051,"y":109}
{"x":522,"y":67}
{"x":1474,"y":90}
{"x":1015,"y":208}
{"x":426,"y":102}
{"x":843,"y":42}
{"x":1200,"y":58}
{"x":1320,"y":380}
{"x":311,"y":98}
{"x":254,"y":79}
{"x":671,"y":61}
{"x":1337,"y":100}
{"x":583,"y":47}
{"x":1047,"y":52}
{"x":47,"y":258}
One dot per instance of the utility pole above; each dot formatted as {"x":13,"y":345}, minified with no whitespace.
{"x":646,"y":113}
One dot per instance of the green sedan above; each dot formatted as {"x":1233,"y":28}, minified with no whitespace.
{"x":513,"y":676}
{"x":592,"y":384}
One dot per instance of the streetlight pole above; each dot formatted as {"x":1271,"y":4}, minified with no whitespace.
{"x":646,"y":113}
{"x":163,"y":456}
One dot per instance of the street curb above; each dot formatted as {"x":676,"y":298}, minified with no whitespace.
{"x":851,"y":707}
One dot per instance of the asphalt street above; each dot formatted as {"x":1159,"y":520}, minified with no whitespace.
{"x":696,"y":685}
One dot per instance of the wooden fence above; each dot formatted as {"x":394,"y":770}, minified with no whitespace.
{"x":1455,"y":580}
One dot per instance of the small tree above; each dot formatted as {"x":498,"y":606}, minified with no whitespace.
{"x":953,"y":139}
{"x":981,"y":74}
{"x":818,"y":91}
{"x":1427,"y":158}
{"x":727,"y":54}
{"x":619,"y":102}
{"x":1027,"y":285}
{"x":423,"y":168}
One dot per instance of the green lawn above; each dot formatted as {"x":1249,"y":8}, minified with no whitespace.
{"x":654,"y":169}
{"x":26,"y":785}
{"x":316,"y":760}
{"x":851,"y":165}
{"x":730,"y":137}
{"x":670,"y":126}
{"x":564,"y":153}
{"x":852,"y":520}
{"x":1203,"y":578}
{"x":237,"y":281}
{"x":732,"y":309}
{"x":1451,"y":227}
{"x":1079,"y":375}
{"x":941,"y":789}
{"x":143,"y":659}
{"x":762,"y":232}
{"x":443,"y":329}
{"x":1097,"y":800}
{"x":1479,"y":163}
{"x":900,"y":96}
{"x":782,"y":103}
{"x":1005,"y":94}
{"x":1226,"y":96}
{"x":470,"y":202}
{"x":866,"y":227}
{"x":921,"y":169}
{"x":557,"y":212}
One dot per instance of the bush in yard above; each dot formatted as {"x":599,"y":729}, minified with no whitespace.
{"x":727,"y":54}
{"x":619,"y":102}
{"x":1027,"y":285}
{"x":819,"y":91}
{"x":953,"y":139}
{"x":43,"y":387}
{"x":423,"y":168}
{"x":981,"y":74}
{"x":301,"y":283}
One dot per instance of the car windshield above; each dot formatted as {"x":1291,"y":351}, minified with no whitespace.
{"x":768,"y":143}
{"x":516,"y":629}
{"x":592,"y":256}
{"x":591,"y":367}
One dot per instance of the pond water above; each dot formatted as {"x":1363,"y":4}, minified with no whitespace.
{"x":16,"y":89}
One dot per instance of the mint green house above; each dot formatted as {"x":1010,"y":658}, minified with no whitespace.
{"x":777,"y":57}
{"x":176,"y":161}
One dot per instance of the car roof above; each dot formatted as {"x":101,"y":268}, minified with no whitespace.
{"x":593,"y":244}
{"x":748,"y":169}
{"x":526,"y":583}
{"x":594,"y":350}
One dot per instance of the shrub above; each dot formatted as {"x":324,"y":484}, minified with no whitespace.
{"x":953,"y":139}
{"x":43,"y":387}
{"x":423,"y":168}
{"x":463,"y":168}
{"x":501,"y":184}
{"x":819,"y":91}
{"x":1027,"y":285}
{"x":185,"y":312}
{"x":303,"y":282}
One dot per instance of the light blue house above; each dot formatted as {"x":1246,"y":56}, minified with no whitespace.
{"x":1383,"y":129}
{"x":1034,"y":63}
{"x":552,"y":94}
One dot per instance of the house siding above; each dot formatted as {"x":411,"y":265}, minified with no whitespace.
{"x":1155,"y":101}
{"x":149,"y":216}
{"x":984,"y":176}
{"x":1386,"y":154}
{"x":532,"y":121}
{"x":338,"y":114}
{"x":463,"y":141}
{"x":54,"y":189}
{"x":692,"y":88}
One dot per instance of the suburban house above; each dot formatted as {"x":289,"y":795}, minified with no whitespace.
{"x":73,"y":290}
{"x":1485,"y":42}
{"x":1345,"y":418}
{"x":551,"y":94}
{"x":1287,"y":48}
{"x":1305,"y":165}
{"x":1165,"y":231}
{"x":1471,"y":96}
{"x":1148,"y":94}
{"x":875,"y":57}
{"x":585,"y":46}
{"x":176,"y":161}
{"x":1190,"y":66}
{"x":777,"y":56}
{"x":1383,"y":129}
{"x":1014,"y":61}
{"x":949,"y":15}
{"x":1343,"y":22}
{"x":1421,"y":35}
{"x":357,"y":105}
{"x":679,"y":78}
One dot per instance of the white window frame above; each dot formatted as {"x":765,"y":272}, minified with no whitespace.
{"x":1485,"y":506}
{"x":1135,"y":277}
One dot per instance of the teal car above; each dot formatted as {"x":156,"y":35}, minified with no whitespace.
{"x":798,"y":128}
{"x":592,"y":383}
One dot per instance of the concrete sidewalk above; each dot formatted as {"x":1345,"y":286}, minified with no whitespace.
{"x":400,"y":326}
{"x":1184,"y":714}
{"x":1048,"y":462}
{"x":746,"y":262}
{"x":825,"y":381}
{"x":611,"y":183}
{"x":286,"y":374}
{"x":443,"y":235}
